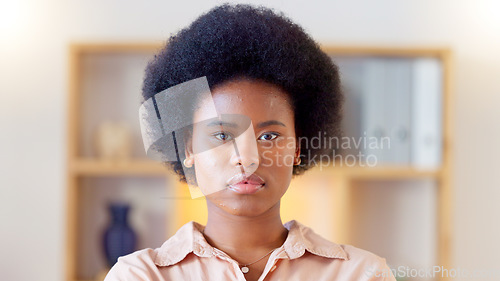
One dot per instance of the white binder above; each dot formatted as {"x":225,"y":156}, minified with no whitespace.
{"x":426,"y":113}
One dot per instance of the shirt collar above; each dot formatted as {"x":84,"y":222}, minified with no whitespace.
{"x":301,"y":238}
{"x":190,"y":239}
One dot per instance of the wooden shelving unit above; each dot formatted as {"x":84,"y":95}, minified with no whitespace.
{"x":92,"y":167}
{"x":325,"y":200}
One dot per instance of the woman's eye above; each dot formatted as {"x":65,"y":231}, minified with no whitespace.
{"x":269,"y":136}
{"x":222,"y":136}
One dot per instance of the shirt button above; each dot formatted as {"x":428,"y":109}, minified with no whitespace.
{"x":273,"y":268}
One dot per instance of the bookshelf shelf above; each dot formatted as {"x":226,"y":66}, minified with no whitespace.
{"x":93,"y":167}
{"x":387,"y":173}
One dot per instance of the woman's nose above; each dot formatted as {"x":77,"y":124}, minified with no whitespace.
{"x":245,"y":152}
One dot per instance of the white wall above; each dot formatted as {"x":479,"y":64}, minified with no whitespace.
{"x":33,"y":83}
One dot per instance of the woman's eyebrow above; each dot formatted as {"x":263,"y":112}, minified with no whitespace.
{"x":260,"y":125}
{"x":269,"y":123}
{"x":221,"y":123}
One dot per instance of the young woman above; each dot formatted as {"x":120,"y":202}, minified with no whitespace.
{"x":270,"y":84}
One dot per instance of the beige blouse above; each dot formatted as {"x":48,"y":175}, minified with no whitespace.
{"x":304,"y":256}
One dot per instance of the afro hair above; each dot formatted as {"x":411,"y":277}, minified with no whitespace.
{"x":232,"y":41}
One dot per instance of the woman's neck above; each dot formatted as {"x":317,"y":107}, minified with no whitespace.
{"x":245,"y":238}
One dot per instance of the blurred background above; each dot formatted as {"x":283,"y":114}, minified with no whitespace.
{"x":35,"y":83}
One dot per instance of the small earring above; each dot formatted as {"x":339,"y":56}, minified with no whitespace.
{"x":297,"y":162}
{"x":186,"y":165}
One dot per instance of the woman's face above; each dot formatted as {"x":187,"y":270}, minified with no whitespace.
{"x":243,"y":162}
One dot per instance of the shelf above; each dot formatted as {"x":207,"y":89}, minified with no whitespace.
{"x":382,"y":172}
{"x":100,"y":48}
{"x":388,"y":173}
{"x":93,"y":167}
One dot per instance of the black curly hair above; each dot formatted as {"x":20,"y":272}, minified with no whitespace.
{"x":233,"y":41}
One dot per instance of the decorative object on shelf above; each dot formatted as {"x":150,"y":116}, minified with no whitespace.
{"x":113,"y":141}
{"x":119,"y":238}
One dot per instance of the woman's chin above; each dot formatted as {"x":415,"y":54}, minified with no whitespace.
{"x":245,"y":206}
{"x":246,"y":211}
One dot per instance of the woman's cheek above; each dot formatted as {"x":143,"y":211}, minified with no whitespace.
{"x":279,"y":154}
{"x":267,"y":158}
{"x":213,"y":156}
{"x":287,"y":151}
{"x":211,"y":168}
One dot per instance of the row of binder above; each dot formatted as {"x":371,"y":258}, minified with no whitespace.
{"x":393,"y":109}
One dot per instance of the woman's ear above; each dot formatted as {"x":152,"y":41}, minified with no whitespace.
{"x":297,"y":154}
{"x":188,"y":151}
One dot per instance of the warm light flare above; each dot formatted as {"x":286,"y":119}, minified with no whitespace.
{"x":10,"y":16}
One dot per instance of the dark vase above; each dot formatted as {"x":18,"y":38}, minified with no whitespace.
{"x":119,"y":238}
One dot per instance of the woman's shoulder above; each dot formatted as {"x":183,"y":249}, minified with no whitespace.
{"x":334,"y":254}
{"x":143,"y":264}
{"x":368,"y":265}
{"x":138,"y":265}
{"x":362,"y":255}
{"x":144,"y":255}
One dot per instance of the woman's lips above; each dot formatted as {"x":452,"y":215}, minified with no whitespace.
{"x":245,"y":188}
{"x":245,"y":183}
